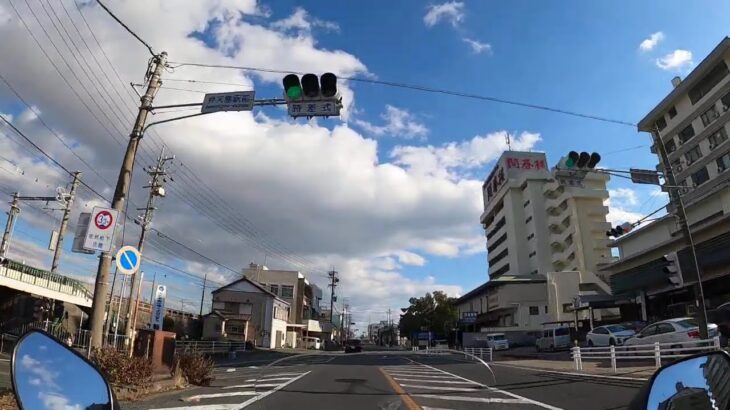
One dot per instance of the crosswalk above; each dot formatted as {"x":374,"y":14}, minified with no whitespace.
{"x":234,"y":390}
{"x":434,"y":389}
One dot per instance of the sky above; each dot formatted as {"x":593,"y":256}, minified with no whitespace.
{"x":389,"y":193}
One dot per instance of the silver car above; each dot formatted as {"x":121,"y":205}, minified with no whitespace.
{"x":684,"y":329}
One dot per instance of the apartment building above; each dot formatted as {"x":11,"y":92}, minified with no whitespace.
{"x":692,"y":122}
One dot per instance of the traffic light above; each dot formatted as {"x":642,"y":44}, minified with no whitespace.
{"x":312,"y":96}
{"x":672,"y":269}
{"x":619,"y":230}
{"x":582,"y":160}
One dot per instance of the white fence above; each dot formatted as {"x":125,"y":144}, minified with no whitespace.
{"x":483,"y":353}
{"x":208,"y":346}
{"x":656,"y":351}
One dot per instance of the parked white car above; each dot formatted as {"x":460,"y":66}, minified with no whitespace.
{"x":609,"y":335}
{"x":497,"y":341}
{"x":684,"y":329}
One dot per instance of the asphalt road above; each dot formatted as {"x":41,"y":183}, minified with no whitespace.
{"x":394,"y":381}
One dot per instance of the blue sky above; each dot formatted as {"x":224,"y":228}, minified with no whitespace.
{"x":613,"y":60}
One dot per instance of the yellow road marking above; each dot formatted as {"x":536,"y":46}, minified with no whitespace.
{"x":405,"y":397}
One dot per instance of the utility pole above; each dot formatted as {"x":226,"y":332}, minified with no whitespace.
{"x":676,"y":199}
{"x":202,"y":296}
{"x":158,"y":63}
{"x":64,"y":222}
{"x":333,"y":284}
{"x":156,"y":187}
{"x":152,"y":292}
{"x":12,"y":213}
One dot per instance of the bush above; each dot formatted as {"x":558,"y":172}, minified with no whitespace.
{"x":122,"y":369}
{"x":196,"y":368}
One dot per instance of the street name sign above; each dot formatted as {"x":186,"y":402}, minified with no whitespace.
{"x":128,"y":260}
{"x":233,"y":101}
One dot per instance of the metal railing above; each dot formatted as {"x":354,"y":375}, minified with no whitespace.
{"x":484,"y":353}
{"x":656,"y":351}
{"x":208,"y":346}
{"x":79,"y":339}
{"x":44,"y":278}
{"x":7,"y":342}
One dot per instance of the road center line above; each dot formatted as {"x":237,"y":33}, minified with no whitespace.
{"x":405,"y":397}
{"x":254,"y":385}
{"x":432,"y":381}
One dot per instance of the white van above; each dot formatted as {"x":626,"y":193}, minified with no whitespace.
{"x":497,"y":341}
{"x":554,"y":339}
{"x":312,"y":343}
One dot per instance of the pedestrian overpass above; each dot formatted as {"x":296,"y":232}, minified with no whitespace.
{"x":43,"y":283}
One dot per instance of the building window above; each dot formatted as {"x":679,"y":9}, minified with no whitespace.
{"x":499,"y":257}
{"x":717,"y":138}
{"x":672,"y":112}
{"x":546,"y":305}
{"x":709,"y":116}
{"x":274,"y":289}
{"x":529,"y":218}
{"x":700,"y":177}
{"x":534,"y":272}
{"x":287,"y":291}
{"x":534,"y":310}
{"x":693,"y":155}
{"x":496,"y":243}
{"x":533,"y":253}
{"x":526,"y":203}
{"x":500,"y":271}
{"x":723,"y":162}
{"x":725,"y":102}
{"x":661,"y":123}
{"x":530,"y":236}
{"x":687,"y":133}
{"x":708,"y":83}
{"x":670,"y":146}
{"x":496,"y":228}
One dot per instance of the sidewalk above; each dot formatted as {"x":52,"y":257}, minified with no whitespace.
{"x":589,"y":367}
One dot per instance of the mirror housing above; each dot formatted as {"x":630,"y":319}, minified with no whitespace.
{"x":47,"y":374}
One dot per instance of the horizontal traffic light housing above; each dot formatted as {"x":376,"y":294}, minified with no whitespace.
{"x":310,"y":86}
{"x":582,"y":160}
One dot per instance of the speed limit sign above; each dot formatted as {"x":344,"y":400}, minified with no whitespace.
{"x":100,"y":234}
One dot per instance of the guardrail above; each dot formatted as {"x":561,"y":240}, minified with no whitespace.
{"x":40,"y":277}
{"x":656,"y":351}
{"x":480,"y":352}
{"x":7,"y":342}
{"x":208,"y":346}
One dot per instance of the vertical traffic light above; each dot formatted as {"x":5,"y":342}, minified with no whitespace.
{"x":672,"y":269}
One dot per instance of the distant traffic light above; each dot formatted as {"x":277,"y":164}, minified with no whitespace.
{"x":619,"y":230}
{"x":672,"y":269}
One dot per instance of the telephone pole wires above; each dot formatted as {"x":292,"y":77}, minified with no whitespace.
{"x":10,"y":224}
{"x":121,"y":191}
{"x":69,"y":199}
{"x":332,"y":285}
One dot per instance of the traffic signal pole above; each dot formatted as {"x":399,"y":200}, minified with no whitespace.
{"x":680,"y":213}
{"x":120,"y":196}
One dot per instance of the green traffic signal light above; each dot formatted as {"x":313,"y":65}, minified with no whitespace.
{"x":292,"y":87}
{"x":572,"y":159}
{"x":294,"y":92}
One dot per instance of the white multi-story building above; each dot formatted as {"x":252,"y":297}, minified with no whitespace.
{"x":545,"y":241}
{"x":693,"y":122}
{"x":534,"y":225}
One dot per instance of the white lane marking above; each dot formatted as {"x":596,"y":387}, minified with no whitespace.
{"x":205,"y":407}
{"x":570,"y":373}
{"x":198,"y":397}
{"x":267,"y":380}
{"x":434,"y":408}
{"x":433,"y":381}
{"x":246,"y":386}
{"x":473,"y":399}
{"x":434,"y":376}
{"x":505,"y":392}
{"x":262,"y":377}
{"x":444,"y":388}
{"x":272,"y":391}
{"x":230,"y":370}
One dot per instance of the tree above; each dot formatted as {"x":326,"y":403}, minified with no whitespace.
{"x":435,"y":312}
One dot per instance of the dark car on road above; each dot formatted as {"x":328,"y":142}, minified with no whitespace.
{"x":353,"y":346}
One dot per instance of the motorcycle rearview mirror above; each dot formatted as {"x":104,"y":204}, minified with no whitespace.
{"x":696,"y":382}
{"x":48,"y":375}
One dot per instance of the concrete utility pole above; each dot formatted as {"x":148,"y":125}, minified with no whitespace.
{"x":676,"y":199}
{"x":64,"y":222}
{"x":202,"y":296}
{"x":156,"y":187}
{"x":120,"y":196}
{"x":12,"y":213}
{"x":333,"y":284}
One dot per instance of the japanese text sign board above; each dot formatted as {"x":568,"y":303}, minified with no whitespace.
{"x":235,"y":101}
{"x":512,"y":165}
{"x":158,"y":312}
{"x":468,"y":317}
{"x":320,"y":108}
{"x":100,"y":233}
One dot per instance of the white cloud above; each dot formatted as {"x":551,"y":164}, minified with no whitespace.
{"x":56,"y":401}
{"x":302,"y":21}
{"x":626,"y":195}
{"x":451,"y":12}
{"x":649,"y":43}
{"x":675,"y":60}
{"x":410,"y":258}
{"x":477,"y":47}
{"x":398,"y":123}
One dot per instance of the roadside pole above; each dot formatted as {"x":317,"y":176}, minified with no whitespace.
{"x":64,"y":223}
{"x":676,"y":199}
{"x":120,"y":196}
{"x":14,"y":211}
{"x":202,"y":296}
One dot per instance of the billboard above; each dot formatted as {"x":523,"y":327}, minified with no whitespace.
{"x":158,"y":308}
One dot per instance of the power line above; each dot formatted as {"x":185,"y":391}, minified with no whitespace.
{"x":129,"y":30}
{"x":422,"y":88}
